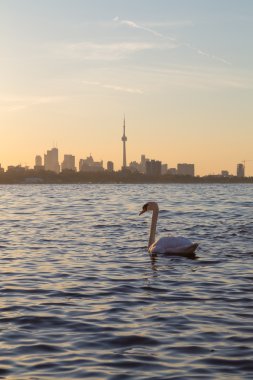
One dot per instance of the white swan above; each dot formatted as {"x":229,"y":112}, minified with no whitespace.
{"x":173,"y":245}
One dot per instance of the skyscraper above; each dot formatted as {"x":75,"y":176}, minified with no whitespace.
{"x":186,"y":169}
{"x":51,"y":160}
{"x":38,"y":161}
{"x":153,"y":168}
{"x":240,"y":170}
{"x":124,"y":139}
{"x":68,"y":162}
{"x":89,"y":165}
{"x":110,"y":166}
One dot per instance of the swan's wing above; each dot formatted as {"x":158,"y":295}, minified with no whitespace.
{"x":173,"y":244}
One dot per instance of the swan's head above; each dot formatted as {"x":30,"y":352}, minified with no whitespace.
{"x":150,"y":206}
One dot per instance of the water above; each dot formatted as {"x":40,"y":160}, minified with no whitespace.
{"x":81,"y":298}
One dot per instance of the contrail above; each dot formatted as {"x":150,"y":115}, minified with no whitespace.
{"x":134,"y":25}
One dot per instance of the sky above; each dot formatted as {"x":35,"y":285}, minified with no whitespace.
{"x":181,"y":71}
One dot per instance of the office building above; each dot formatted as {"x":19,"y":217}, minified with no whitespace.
{"x":172,"y":171}
{"x":89,"y":165}
{"x":16,"y":169}
{"x":110,"y":166}
{"x":68,"y":162}
{"x":134,"y":167}
{"x":38,"y":163}
{"x":186,"y":169}
{"x":164,"y":169}
{"x":240,"y":170}
{"x":51,"y":160}
{"x":224,"y":173}
{"x":153,"y":168}
{"x":143,"y":164}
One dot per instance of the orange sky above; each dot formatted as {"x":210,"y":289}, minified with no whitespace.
{"x":182,"y":76}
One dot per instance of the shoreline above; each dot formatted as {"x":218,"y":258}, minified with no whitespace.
{"x":31,"y":177}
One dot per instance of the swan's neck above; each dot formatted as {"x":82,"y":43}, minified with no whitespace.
{"x":153,"y":226}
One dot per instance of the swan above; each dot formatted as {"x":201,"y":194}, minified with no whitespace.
{"x":172,"y":244}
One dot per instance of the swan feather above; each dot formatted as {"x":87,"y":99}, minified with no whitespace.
{"x":173,"y":244}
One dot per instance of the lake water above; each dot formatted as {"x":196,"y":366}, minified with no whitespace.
{"x":81,"y":297}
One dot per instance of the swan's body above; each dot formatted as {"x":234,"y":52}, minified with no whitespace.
{"x":170,"y":245}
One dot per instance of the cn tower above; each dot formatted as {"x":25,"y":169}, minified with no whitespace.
{"x":124,"y":139}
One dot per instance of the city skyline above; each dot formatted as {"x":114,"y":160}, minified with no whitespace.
{"x":145,"y":166}
{"x":53,"y":163}
{"x":180,"y":70}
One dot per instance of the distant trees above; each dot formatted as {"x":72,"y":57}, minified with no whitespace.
{"x":19,"y":175}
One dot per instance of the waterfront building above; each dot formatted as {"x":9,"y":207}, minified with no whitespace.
{"x":68,"y":162}
{"x":38,"y":160}
{"x":16,"y":169}
{"x":164,"y":169}
{"x":240,"y":170}
{"x":124,"y":140}
{"x":186,"y":169}
{"x":134,"y":167}
{"x":1,"y":169}
{"x":110,"y":166}
{"x":143,"y":164}
{"x":153,"y":168}
{"x":89,"y":165}
{"x":38,"y":163}
{"x":51,"y":160}
{"x":224,"y":173}
{"x":172,"y":171}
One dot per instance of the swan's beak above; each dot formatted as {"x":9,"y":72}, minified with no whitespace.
{"x":144,"y":209}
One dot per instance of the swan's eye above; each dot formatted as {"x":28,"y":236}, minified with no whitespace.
{"x":145,"y":207}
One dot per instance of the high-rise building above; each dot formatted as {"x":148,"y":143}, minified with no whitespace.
{"x":172,"y":171}
{"x":38,"y":161}
{"x":124,"y":139}
{"x":143,"y":164}
{"x":134,"y":167}
{"x":153,"y":167}
{"x":240,"y":170}
{"x":68,"y":162}
{"x":110,"y":166}
{"x":164,"y":169}
{"x":89,"y":165}
{"x":186,"y":169}
{"x":51,"y":160}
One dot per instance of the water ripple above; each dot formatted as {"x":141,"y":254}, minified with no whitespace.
{"x":81,"y":298}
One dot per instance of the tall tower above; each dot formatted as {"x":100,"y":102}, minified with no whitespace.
{"x":51,"y":160}
{"x":124,"y":139}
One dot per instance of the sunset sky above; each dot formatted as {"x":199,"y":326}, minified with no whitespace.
{"x":180,"y":70}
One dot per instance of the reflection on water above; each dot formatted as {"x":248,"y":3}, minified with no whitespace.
{"x":81,"y":297}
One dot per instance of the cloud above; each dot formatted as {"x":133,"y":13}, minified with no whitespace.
{"x":209,"y":55}
{"x":199,"y":79}
{"x":98,"y":51}
{"x":123,"y":89}
{"x":170,"y":24}
{"x":133,"y":25}
{"x":16,"y":103}
{"x":114,"y":87}
{"x":184,"y":77}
